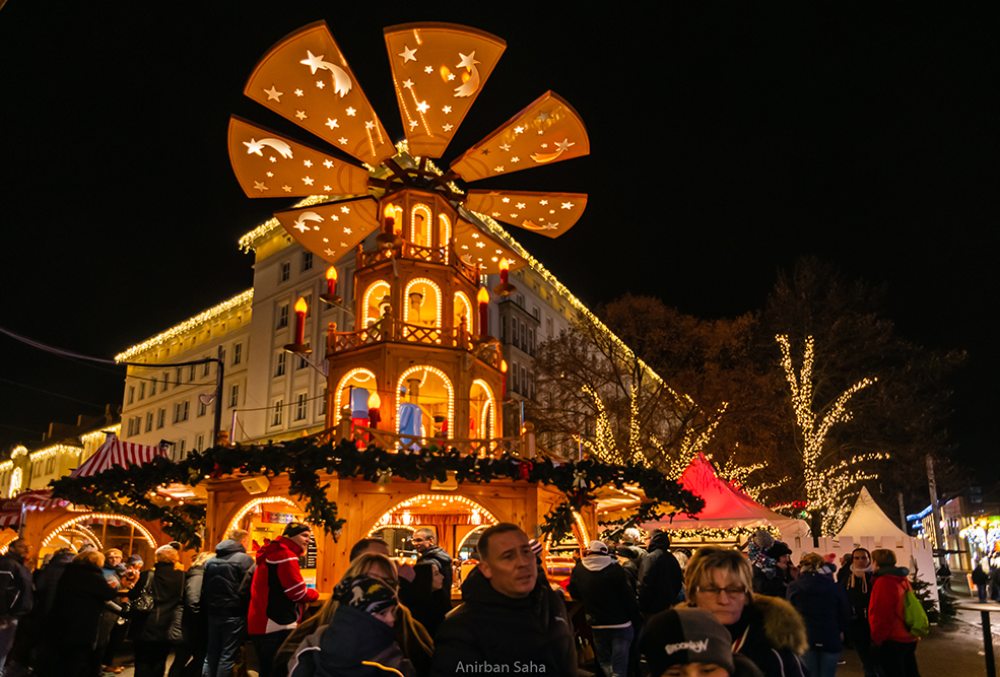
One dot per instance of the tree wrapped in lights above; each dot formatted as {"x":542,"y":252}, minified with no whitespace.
{"x":827,"y":482}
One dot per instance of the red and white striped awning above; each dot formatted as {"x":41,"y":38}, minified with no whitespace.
{"x":115,"y":452}
{"x":38,"y":499}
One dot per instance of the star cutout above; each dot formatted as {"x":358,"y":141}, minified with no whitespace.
{"x":351,"y":111}
{"x":301,"y":227}
{"x":429,"y":69}
{"x":520,"y":205}
{"x":564,"y":145}
{"x":301,"y":114}
{"x":567,"y":205}
{"x":331,"y":123}
{"x":486,"y":151}
{"x":307,"y":163}
{"x":422,"y":106}
{"x":287,"y":189}
{"x":498,"y":169}
{"x":327,"y":188}
{"x":518,"y":129}
{"x":475,"y":236}
{"x":545,"y":145}
{"x":446,"y":128}
{"x":446,"y":109}
{"x":270,"y":175}
{"x":369,"y":125}
{"x":467,"y":61}
{"x":273,"y":159}
{"x":345,"y":210}
{"x":273,"y":94}
{"x":258,"y":185}
{"x":330,"y":252}
{"x":347,"y":231}
{"x":299,"y":92}
{"x":465,"y":246}
{"x":328,"y":164}
{"x":408,"y":54}
{"x":320,"y":84}
{"x":451,"y":76}
{"x":343,"y":244}
{"x":539,"y":132}
{"x":480,"y":244}
{"x":306,"y":180}
{"x":506,"y":199}
{"x":506,"y":146}
{"x":314,"y":62}
{"x":315,"y":227}
{"x":513,"y":216}
{"x":543,"y":117}
{"x":515,"y":159}
{"x":408,"y":83}
{"x":342,"y":141}
{"x":543,"y":202}
{"x":496,"y":214}
{"x":413,"y":123}
{"x":334,"y":217}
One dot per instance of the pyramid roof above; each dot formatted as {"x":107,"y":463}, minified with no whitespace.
{"x":867,"y":519}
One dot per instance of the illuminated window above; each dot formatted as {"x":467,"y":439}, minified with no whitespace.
{"x":423,"y":303}
{"x":444,"y":235}
{"x":463,"y":310}
{"x":358,"y":378}
{"x":50,"y":465}
{"x":482,"y":411}
{"x":420,"y":226}
{"x":431,"y":390}
{"x":370,"y":306}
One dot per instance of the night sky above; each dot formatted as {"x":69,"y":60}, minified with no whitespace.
{"x":725,"y":142}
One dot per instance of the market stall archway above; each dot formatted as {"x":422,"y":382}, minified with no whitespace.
{"x":116,"y":531}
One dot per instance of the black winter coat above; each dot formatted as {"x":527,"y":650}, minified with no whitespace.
{"x":164,"y":622}
{"x":859,"y":595}
{"x":352,"y":639}
{"x":824,"y":608}
{"x":493,"y":628}
{"x":16,"y":586}
{"x":48,"y":580}
{"x":437,"y":555}
{"x":660,"y":577}
{"x":606,"y":594}
{"x":224,"y":574}
{"x":77,"y":606}
{"x":770,"y":632}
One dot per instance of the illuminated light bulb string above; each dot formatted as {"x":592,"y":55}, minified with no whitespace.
{"x":827,"y":489}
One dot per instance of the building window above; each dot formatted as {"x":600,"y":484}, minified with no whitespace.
{"x":161,"y":418}
{"x":202,"y":407}
{"x":279,"y":367}
{"x":302,"y":362}
{"x":178,"y":381}
{"x":300,"y":407}
{"x":307,"y":261}
{"x":192,"y":375}
{"x":524,"y":338}
{"x":286,"y":272}
{"x":282,"y":316}
{"x":131,"y":394}
{"x":182,"y":450}
{"x":277,"y":415}
{"x":514,"y":382}
{"x":166,"y":380}
{"x":181,"y":411}
{"x":548,"y":326}
{"x":537,"y":313}
{"x":208,"y":365}
{"x":237,"y":353}
{"x":531,"y":342}
{"x":234,"y":395}
{"x":524,"y":382}
{"x":50,"y":465}
{"x":142,"y":390}
{"x":149,"y":421}
{"x":199,"y":442}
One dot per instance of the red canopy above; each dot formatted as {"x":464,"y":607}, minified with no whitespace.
{"x":38,"y":499}
{"x":115,"y":452}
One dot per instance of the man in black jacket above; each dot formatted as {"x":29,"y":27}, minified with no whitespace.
{"x":15,"y":594}
{"x":428,"y":595}
{"x":660,"y":576}
{"x":225,"y":606}
{"x":612,"y":611}
{"x":511,"y":621}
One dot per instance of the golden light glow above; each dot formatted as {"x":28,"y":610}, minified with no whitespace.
{"x":488,"y":410}
{"x":99,"y":435}
{"x":503,"y":366}
{"x":504,"y":266}
{"x":19,"y":450}
{"x":374,"y":401}
{"x":331,"y":273}
{"x":385,"y":520}
{"x":420,"y":232}
{"x":54,"y":450}
{"x":356,"y":375}
{"x":15,"y":482}
{"x":146,"y":535}
{"x":390,"y":211}
{"x":447,"y":383}
{"x":253,"y":504}
{"x":243,"y":299}
{"x":366,"y":318}
{"x":409,"y":314}
{"x":483,"y":296}
{"x":301,"y":306}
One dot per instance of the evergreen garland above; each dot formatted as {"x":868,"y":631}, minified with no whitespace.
{"x":129,"y":490}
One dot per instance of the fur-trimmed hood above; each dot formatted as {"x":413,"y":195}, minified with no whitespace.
{"x":783,"y":625}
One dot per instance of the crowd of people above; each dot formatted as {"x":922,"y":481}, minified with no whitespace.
{"x":648,"y":610}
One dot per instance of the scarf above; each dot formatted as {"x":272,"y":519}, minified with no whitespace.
{"x":857,"y":572}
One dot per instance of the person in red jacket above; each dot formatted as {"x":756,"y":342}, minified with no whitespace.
{"x":893,"y":643}
{"x":278,"y":594}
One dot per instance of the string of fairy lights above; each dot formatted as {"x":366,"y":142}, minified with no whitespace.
{"x":826,"y":488}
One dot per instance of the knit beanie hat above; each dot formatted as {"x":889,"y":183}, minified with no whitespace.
{"x":293,"y":529}
{"x":683,"y":636}
{"x":763,"y":539}
{"x":778,"y":549}
{"x":365,"y":593}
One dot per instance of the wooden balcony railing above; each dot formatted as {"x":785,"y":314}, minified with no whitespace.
{"x":410,"y":250}
{"x":387,"y":329}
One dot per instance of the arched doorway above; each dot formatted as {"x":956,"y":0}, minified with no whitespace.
{"x":104,"y":531}
{"x":426,"y":403}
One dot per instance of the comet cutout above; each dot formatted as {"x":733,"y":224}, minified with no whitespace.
{"x":341,"y":80}
{"x":283,"y":148}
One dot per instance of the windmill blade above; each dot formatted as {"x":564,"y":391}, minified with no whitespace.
{"x":269,"y":164}
{"x":549,"y":214}
{"x":333,"y":229}
{"x":477,"y":247}
{"x":547,"y":131}
{"x":438,"y":70}
{"x":305,"y":78}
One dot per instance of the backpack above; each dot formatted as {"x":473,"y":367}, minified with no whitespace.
{"x":914,"y":616}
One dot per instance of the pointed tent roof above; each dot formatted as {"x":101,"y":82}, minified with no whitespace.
{"x":867,"y":519}
{"x":725,"y":505}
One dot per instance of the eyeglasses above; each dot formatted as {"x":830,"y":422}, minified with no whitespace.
{"x":731,"y":590}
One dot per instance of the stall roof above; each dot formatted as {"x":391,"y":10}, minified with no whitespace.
{"x":867,"y":519}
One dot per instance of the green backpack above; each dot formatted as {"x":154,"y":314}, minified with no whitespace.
{"x":914,"y":616}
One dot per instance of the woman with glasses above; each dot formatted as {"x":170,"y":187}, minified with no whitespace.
{"x":767,"y":630}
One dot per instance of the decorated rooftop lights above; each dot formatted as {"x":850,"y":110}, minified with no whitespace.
{"x":438,"y":71}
